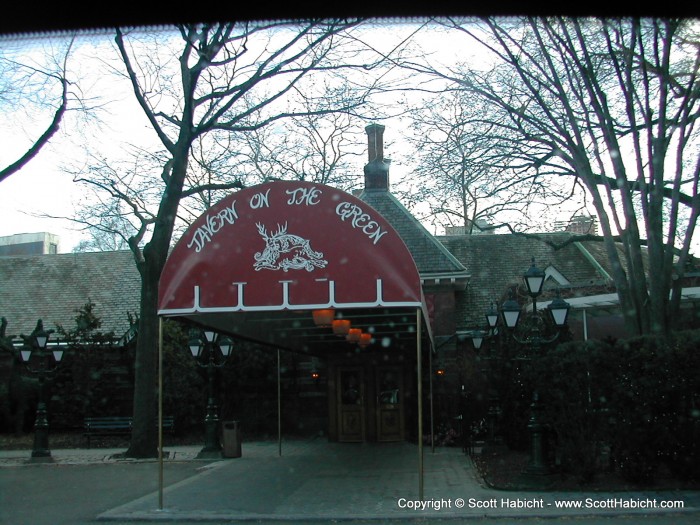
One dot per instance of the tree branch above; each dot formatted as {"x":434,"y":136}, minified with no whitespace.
{"x":44,"y":138}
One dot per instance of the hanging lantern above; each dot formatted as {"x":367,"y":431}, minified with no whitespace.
{"x":341,"y":327}
{"x":323,"y":318}
{"x":365,"y":339}
{"x":354,"y":335}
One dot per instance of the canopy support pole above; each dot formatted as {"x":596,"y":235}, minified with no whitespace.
{"x":279,"y":405}
{"x":432,"y":417}
{"x":419,"y":373}
{"x":585,"y":338}
{"x":160,"y":413}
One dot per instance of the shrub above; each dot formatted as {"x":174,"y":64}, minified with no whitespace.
{"x":573,"y":381}
{"x":640,"y":397}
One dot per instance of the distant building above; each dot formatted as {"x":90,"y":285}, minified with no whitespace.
{"x":581,"y":224}
{"x":29,"y":244}
{"x":481,"y":227}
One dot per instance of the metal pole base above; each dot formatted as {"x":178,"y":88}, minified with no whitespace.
{"x":208,"y":453}
{"x":41,"y":459}
{"x":538,"y":464}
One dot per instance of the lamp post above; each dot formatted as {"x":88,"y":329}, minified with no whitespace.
{"x":209,"y":349}
{"x":532,"y":336}
{"x":477,"y":338}
{"x":534,"y":280}
{"x":35,"y":349}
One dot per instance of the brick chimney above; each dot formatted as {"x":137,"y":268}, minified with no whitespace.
{"x":377,"y":169}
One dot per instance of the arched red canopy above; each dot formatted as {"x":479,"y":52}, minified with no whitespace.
{"x":256,"y":263}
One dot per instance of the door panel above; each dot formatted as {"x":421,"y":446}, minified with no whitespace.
{"x":390,"y":404}
{"x":351,"y":406}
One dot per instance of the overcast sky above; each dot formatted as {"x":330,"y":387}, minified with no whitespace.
{"x":43,"y":187}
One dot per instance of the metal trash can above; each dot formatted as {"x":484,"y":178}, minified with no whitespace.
{"x":232,"y":439}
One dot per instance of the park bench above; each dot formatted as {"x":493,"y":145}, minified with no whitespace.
{"x":117,"y":426}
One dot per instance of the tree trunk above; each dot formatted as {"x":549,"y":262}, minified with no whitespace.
{"x":144,"y":436}
{"x":144,"y":442}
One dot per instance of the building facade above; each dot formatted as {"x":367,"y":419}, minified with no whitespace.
{"x":354,"y":393}
{"x":29,"y":244}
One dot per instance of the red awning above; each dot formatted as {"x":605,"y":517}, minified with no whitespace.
{"x":261,"y":259}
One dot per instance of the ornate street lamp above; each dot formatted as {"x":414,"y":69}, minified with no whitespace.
{"x":477,"y":338}
{"x":558,"y":309}
{"x":532,"y":336}
{"x":35,"y":346}
{"x":209,"y":349}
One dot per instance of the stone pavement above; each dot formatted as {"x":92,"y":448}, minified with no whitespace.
{"x":342,"y":481}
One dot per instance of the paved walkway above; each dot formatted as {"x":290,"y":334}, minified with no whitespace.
{"x":317,"y":480}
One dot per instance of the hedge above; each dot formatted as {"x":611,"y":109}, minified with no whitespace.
{"x":639,"y":399}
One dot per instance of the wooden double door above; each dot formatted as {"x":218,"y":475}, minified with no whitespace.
{"x":370,"y":403}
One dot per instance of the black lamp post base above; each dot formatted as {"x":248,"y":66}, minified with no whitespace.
{"x":40,"y":448}
{"x":538,"y":464}
{"x":537,"y":470}
{"x":41,"y":456}
{"x":210,"y":453}
{"x":531,"y":480}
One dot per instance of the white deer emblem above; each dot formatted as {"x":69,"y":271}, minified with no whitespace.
{"x":285,"y":251}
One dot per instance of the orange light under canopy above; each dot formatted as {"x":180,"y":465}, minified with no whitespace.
{"x":341,"y":326}
{"x":365,"y":339}
{"x":323,"y":318}
{"x":354,"y":335}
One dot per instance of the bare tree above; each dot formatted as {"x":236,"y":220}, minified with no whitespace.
{"x":466,"y":174}
{"x":314,"y":148}
{"x":214,"y":81}
{"x":314,"y":145}
{"x":34,"y":86}
{"x":120,"y":201}
{"x":612,"y":104}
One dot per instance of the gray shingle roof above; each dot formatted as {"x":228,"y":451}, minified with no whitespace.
{"x":53,"y":287}
{"x":430,"y":256}
{"x":497,"y":262}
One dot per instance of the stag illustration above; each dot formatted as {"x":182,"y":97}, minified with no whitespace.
{"x":285,"y":251}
